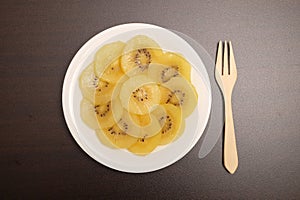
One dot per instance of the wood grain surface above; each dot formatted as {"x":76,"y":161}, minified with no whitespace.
{"x":40,"y":159}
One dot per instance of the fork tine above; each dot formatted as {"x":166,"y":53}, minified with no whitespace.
{"x":232,"y":60}
{"x":219,"y":58}
{"x":225,"y":59}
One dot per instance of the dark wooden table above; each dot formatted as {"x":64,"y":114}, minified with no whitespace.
{"x":40,"y":159}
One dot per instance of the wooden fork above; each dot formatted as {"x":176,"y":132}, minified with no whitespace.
{"x":226,"y":75}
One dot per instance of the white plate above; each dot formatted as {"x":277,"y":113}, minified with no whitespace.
{"x":122,"y":160}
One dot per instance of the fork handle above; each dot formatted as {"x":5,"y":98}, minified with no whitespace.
{"x":230,"y":150}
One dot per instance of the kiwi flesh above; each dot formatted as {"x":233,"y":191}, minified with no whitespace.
{"x":104,"y":139}
{"x":145,"y":145}
{"x":185,"y":95}
{"x":118,"y":137}
{"x":103,"y":92}
{"x":112,"y":72}
{"x":106,"y":56}
{"x":170,"y":121}
{"x":87,"y":114}
{"x":107,"y":114}
{"x":136,"y":96}
{"x":139,"y":94}
{"x":168,"y":96}
{"x":88,"y":82}
{"x":177,"y":62}
{"x":139,"y":52}
{"x":161,"y":73}
{"x":132,"y":125}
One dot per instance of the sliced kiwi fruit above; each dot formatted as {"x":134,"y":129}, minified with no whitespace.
{"x":117,"y":137}
{"x":106,"y":58}
{"x":185,"y":95}
{"x":132,"y":124}
{"x":93,"y":88}
{"x":167,"y":96}
{"x":181,"y":130}
{"x":170,"y":121}
{"x":118,"y":86}
{"x":128,"y":125}
{"x":107,"y":114}
{"x":152,"y":128}
{"x":139,"y":52}
{"x":104,"y":139}
{"x":136,"y":96}
{"x":113,"y":72}
{"x":88,"y":82}
{"x":87,"y":113}
{"x":177,"y":62}
{"x":103,"y":92}
{"x":145,"y":145}
{"x":161,"y":73}
{"x":139,"y":94}
{"x":141,"y":120}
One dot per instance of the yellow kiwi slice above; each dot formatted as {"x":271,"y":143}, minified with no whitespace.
{"x":117,"y":137}
{"x":170,"y":121}
{"x":104,"y":139}
{"x":118,"y":86}
{"x":181,"y":130}
{"x":113,"y":72}
{"x":167,"y":96}
{"x":107,"y":114}
{"x":151,"y":128}
{"x":135,"y":96}
{"x":139,"y":94}
{"x":132,"y":125}
{"x":128,"y":125}
{"x":185,"y":94}
{"x":161,"y":73}
{"x":177,"y":62}
{"x":141,"y":120}
{"x":88,"y":82}
{"x":93,"y":88}
{"x":107,"y":61}
{"x":145,"y":145}
{"x":87,"y":114}
{"x":103,"y":92}
{"x":139,"y":52}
